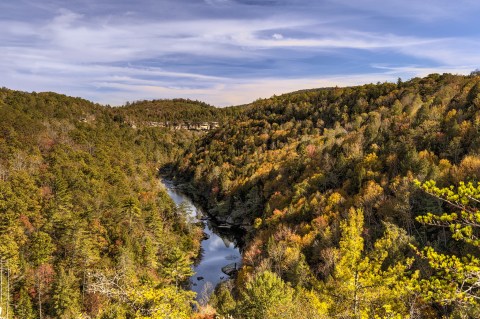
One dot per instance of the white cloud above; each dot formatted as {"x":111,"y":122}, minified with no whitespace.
{"x":217,"y":2}
{"x":103,"y":57}
{"x":277,"y":36}
{"x":450,"y":51}
{"x":235,"y":92}
{"x":67,"y":37}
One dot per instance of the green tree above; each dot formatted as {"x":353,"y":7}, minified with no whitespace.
{"x":177,"y":267}
{"x":349,"y":267}
{"x":456,"y":279}
{"x":66,"y":295}
{"x":24,"y":307}
{"x":375,"y":283}
{"x":162,"y":302}
{"x":131,"y":210}
{"x":41,"y":248}
{"x":223,"y":300}
{"x":267,"y":296}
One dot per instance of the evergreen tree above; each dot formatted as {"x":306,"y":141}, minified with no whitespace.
{"x":24,"y":307}
{"x":372,"y":284}
{"x":66,"y":295}
{"x":267,"y":296}
{"x":456,"y":278}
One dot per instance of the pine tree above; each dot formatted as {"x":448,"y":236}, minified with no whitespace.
{"x":178,"y":267}
{"x":24,"y":308}
{"x":456,"y":279}
{"x":267,"y":296}
{"x":371,"y":284}
{"x":66,"y":295}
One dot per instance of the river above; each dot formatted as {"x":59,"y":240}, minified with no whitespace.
{"x":217,"y":251}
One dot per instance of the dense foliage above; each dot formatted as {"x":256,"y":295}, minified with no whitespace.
{"x":173,"y":111}
{"x":86,"y":231}
{"x":298,"y":169}
{"x":456,"y":278}
{"x":335,"y":187}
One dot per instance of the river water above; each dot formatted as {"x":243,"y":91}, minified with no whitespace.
{"x":217,"y":251}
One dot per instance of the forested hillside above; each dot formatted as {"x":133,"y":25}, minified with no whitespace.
{"x":174,"y":111}
{"x":325,"y":182}
{"x":86,"y":231}
{"x":358,"y":202}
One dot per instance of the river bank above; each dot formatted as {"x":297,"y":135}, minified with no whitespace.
{"x":219,"y":248}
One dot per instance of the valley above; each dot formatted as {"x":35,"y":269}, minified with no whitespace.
{"x":355,"y":202}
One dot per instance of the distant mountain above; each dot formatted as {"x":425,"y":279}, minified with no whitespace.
{"x":173,"y":112}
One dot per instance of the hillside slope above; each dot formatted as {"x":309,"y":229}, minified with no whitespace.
{"x":323,"y":180}
{"x":293,"y":167}
{"x":172,"y":113}
{"x":86,"y":231}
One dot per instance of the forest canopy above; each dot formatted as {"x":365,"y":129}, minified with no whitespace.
{"x":358,"y":202}
{"x":86,"y":231}
{"x":303,"y":170}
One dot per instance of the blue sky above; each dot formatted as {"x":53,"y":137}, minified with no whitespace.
{"x":228,"y":52}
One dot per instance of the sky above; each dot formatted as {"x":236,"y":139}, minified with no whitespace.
{"x":229,"y":52}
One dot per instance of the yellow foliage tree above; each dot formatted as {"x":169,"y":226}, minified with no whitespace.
{"x":364,"y":285}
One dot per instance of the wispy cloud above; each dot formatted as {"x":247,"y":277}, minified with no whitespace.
{"x":222,"y":51}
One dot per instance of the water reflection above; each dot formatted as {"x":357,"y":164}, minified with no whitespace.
{"x":217,"y":251}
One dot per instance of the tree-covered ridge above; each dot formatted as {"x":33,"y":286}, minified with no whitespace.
{"x":292,"y":167}
{"x":324,"y":180}
{"x":173,"y":111}
{"x":86,"y":231}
